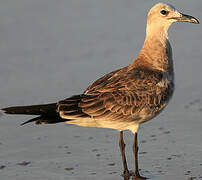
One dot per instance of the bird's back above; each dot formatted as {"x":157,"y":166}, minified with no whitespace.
{"x":126,"y":96}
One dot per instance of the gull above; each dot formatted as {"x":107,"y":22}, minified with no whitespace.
{"x":127,"y":97}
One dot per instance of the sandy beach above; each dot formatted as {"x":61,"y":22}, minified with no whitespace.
{"x":53,"y":49}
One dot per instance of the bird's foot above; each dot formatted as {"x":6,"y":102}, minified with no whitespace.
{"x":137,"y":176}
{"x":126,"y":174}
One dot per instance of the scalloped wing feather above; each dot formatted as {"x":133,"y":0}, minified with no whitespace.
{"x":119,"y":96}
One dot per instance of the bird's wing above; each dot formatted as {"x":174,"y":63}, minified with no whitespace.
{"x":118,"y":95}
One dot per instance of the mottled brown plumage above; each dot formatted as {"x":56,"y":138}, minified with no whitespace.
{"x":127,"y":97}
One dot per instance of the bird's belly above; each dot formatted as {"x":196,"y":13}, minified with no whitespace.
{"x":106,"y":123}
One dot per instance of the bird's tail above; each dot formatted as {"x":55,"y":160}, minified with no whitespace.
{"x":42,"y":109}
{"x":47,"y":113}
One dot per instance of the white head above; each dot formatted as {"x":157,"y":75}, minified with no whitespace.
{"x":161,"y":16}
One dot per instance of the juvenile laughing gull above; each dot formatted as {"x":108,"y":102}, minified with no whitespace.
{"x":127,"y":97}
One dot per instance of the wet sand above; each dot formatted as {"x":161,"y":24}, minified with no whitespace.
{"x":54,"y":49}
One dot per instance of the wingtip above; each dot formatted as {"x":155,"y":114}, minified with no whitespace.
{"x":2,"y":111}
{"x":32,"y":120}
{"x":26,"y":122}
{"x":5,"y":111}
{"x":22,"y":124}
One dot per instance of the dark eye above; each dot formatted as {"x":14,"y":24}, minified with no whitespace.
{"x":164,"y":12}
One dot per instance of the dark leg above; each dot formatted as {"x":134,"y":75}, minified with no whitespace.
{"x":135,"y":152}
{"x":122,"y":149}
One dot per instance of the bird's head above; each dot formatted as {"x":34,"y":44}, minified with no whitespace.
{"x":161,"y":16}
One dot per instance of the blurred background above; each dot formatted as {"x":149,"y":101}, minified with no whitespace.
{"x":50,"y":50}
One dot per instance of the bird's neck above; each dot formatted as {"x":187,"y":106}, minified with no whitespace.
{"x":156,"y":53}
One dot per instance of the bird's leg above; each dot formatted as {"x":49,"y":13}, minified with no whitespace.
{"x":122,"y":149}
{"x":135,"y":152}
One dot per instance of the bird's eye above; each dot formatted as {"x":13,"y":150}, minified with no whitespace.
{"x":164,"y":12}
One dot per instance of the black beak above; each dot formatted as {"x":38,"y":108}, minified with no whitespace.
{"x":186,"y":18}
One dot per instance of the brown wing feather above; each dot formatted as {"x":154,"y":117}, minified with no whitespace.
{"x":119,"y":95}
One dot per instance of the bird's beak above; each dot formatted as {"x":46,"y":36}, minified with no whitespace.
{"x":186,"y":18}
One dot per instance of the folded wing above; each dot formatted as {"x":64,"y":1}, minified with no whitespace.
{"x":119,"y":95}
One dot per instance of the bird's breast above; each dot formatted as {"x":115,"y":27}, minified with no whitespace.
{"x":158,"y":100}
